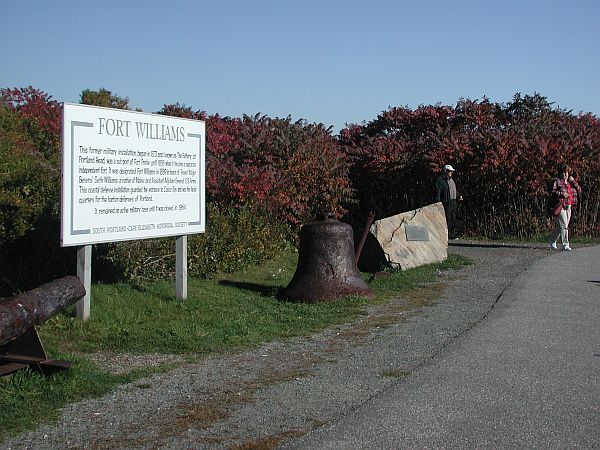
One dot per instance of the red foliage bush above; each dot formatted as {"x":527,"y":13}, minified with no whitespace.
{"x":292,"y":170}
{"x":41,"y":115}
{"x":505,"y":157}
{"x":505,"y":154}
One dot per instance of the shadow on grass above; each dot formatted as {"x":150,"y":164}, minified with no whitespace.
{"x":262,"y":289}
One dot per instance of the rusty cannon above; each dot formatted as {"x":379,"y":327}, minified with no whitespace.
{"x":326,"y":267}
{"x":20,"y":345}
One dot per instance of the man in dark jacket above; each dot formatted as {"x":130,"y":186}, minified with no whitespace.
{"x":447,"y":193}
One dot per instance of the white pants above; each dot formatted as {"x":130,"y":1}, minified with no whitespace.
{"x":562,"y":227}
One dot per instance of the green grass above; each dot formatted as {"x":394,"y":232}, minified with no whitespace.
{"x":27,"y":397}
{"x":230,"y":312}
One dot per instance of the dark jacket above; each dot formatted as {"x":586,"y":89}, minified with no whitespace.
{"x":443,"y":190}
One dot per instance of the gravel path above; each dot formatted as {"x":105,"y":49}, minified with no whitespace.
{"x":266,"y":397}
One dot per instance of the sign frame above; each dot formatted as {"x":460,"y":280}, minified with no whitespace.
{"x":178,"y":144}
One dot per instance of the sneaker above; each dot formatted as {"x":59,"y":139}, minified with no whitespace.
{"x":566,"y":248}
{"x":553,"y":246}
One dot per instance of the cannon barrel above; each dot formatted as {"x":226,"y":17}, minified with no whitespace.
{"x":23,"y":311}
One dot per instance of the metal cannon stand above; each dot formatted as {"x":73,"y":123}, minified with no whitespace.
{"x":20,"y":345}
{"x":27,"y":351}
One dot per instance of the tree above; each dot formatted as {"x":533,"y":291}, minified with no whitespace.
{"x":103,"y":97}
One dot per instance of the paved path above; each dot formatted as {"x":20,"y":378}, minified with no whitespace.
{"x":527,"y":376}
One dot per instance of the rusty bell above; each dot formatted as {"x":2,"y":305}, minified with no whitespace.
{"x":326,"y":264}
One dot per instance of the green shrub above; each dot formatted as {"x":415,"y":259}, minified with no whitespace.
{"x":103,"y":97}
{"x":30,"y":252}
{"x":234,"y":239}
{"x":28,"y":183}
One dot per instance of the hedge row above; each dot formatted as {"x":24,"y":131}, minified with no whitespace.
{"x":265,"y":177}
{"x":276,"y":174}
{"x":292,"y":170}
{"x":505,"y":157}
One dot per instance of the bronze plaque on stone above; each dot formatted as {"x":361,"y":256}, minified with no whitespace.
{"x":417,"y":233}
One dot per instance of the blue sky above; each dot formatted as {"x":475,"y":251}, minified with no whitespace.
{"x":331,"y":62}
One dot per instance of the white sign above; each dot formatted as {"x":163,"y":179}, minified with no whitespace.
{"x":130,"y":175}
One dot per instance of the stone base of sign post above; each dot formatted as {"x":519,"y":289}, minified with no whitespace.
{"x":407,"y":240}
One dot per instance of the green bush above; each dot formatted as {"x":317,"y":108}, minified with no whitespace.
{"x":234,"y":239}
{"x":28,"y":183}
{"x":30,"y":253}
